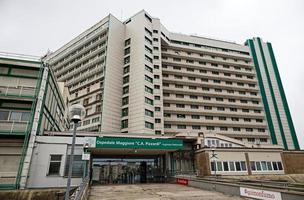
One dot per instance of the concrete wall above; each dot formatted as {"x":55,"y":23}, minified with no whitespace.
{"x":112,"y":94}
{"x":47,"y":145}
{"x":202,"y":164}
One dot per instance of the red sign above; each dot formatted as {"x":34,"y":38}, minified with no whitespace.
{"x":182,"y":181}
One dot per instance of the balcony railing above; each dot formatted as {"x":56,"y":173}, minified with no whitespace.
{"x":18,"y":91}
{"x":12,"y":127}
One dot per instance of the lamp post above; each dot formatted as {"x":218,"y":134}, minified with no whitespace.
{"x":85,"y":150}
{"x":76,"y":114}
{"x":213,"y":156}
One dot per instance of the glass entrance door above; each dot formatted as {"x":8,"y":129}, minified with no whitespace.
{"x":126,"y":170}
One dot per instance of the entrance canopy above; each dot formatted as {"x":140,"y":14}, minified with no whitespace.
{"x":129,"y":146}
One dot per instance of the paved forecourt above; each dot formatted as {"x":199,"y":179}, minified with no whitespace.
{"x":154,"y":192}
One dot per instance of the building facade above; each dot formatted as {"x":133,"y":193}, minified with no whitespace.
{"x":138,"y":77}
{"x":30,"y":103}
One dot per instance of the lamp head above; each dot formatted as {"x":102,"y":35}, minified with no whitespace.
{"x":76,"y":113}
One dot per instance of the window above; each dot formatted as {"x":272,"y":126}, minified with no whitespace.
{"x":157,"y":97}
{"x":258,"y":166}
{"x":196,"y":127}
{"x":179,"y":96}
{"x":155,"y":31}
{"x":155,"y":39}
{"x":149,"y":125}
{"x":149,"y":113}
{"x":252,"y":165}
{"x":25,"y":116}
{"x":181,"y":116}
{"x":148,"y":49}
{"x":275,"y":166}
{"x":96,"y":119}
{"x":148,"y":89}
{"x":127,"y":60}
{"x":149,"y":79}
{"x":238,"y":166}
{"x":157,"y":120}
{"x":4,"y":114}
{"x":280,"y":167}
{"x":167,"y":125}
{"x":156,"y":66}
{"x":207,"y":107}
{"x":128,"y":42}
{"x":180,"y":105}
{"x":77,"y":168}
{"x":156,"y":76}
{"x":147,"y":58}
{"x":194,"y":106}
{"x":125,"y":90}
{"x":127,"y":51}
{"x":210,"y":128}
{"x":148,"y":18}
{"x":148,"y":101}
{"x":263,"y":165}
{"x":219,"y":166}
{"x":15,"y":116}
{"x":231,"y":166}
{"x":193,"y":97}
{"x":125,"y":79}
{"x":124,"y":112}
{"x":149,"y":69}
{"x":124,"y":123}
{"x":220,"y":108}
{"x":156,"y":87}
{"x":225,"y":165}
{"x":222,"y":118}
{"x":181,"y":126}
{"x":195,"y":116}
{"x":86,"y":122}
{"x":54,"y":167}
{"x":243,"y":166}
{"x":126,"y":69}
{"x":125,"y":101}
{"x":269,"y":166}
{"x":209,"y":117}
{"x":148,"y":31}
{"x":157,"y":109}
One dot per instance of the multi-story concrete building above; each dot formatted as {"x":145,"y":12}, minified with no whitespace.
{"x":30,"y":103}
{"x":138,"y":77}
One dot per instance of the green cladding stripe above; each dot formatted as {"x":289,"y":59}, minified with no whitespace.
{"x":262,"y":89}
{"x":272,"y":95}
{"x":283,"y":97}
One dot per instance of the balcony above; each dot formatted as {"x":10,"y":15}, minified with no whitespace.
{"x":18,"y":91}
{"x":13,"y":127}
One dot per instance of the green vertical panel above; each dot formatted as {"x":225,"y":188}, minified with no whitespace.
{"x":283,"y":97}
{"x":262,"y":89}
{"x":273,"y":95}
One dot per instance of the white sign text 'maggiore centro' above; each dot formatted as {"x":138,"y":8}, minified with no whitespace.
{"x":260,"y":194}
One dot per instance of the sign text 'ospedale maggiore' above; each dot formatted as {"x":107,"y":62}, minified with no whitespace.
{"x":138,"y":143}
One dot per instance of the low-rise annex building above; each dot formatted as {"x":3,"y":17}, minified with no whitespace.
{"x":30,"y":103}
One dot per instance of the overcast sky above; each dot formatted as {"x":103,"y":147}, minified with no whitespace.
{"x":34,"y":26}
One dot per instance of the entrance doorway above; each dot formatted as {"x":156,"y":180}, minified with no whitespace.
{"x":128,"y":170}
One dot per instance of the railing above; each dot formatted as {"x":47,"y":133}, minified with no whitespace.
{"x":19,"y":91}
{"x":13,"y":127}
{"x":82,"y":192}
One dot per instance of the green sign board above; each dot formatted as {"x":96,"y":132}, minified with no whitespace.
{"x":138,"y":143}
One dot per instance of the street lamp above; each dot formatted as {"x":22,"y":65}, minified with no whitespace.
{"x":213,"y":156}
{"x":76,"y":114}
